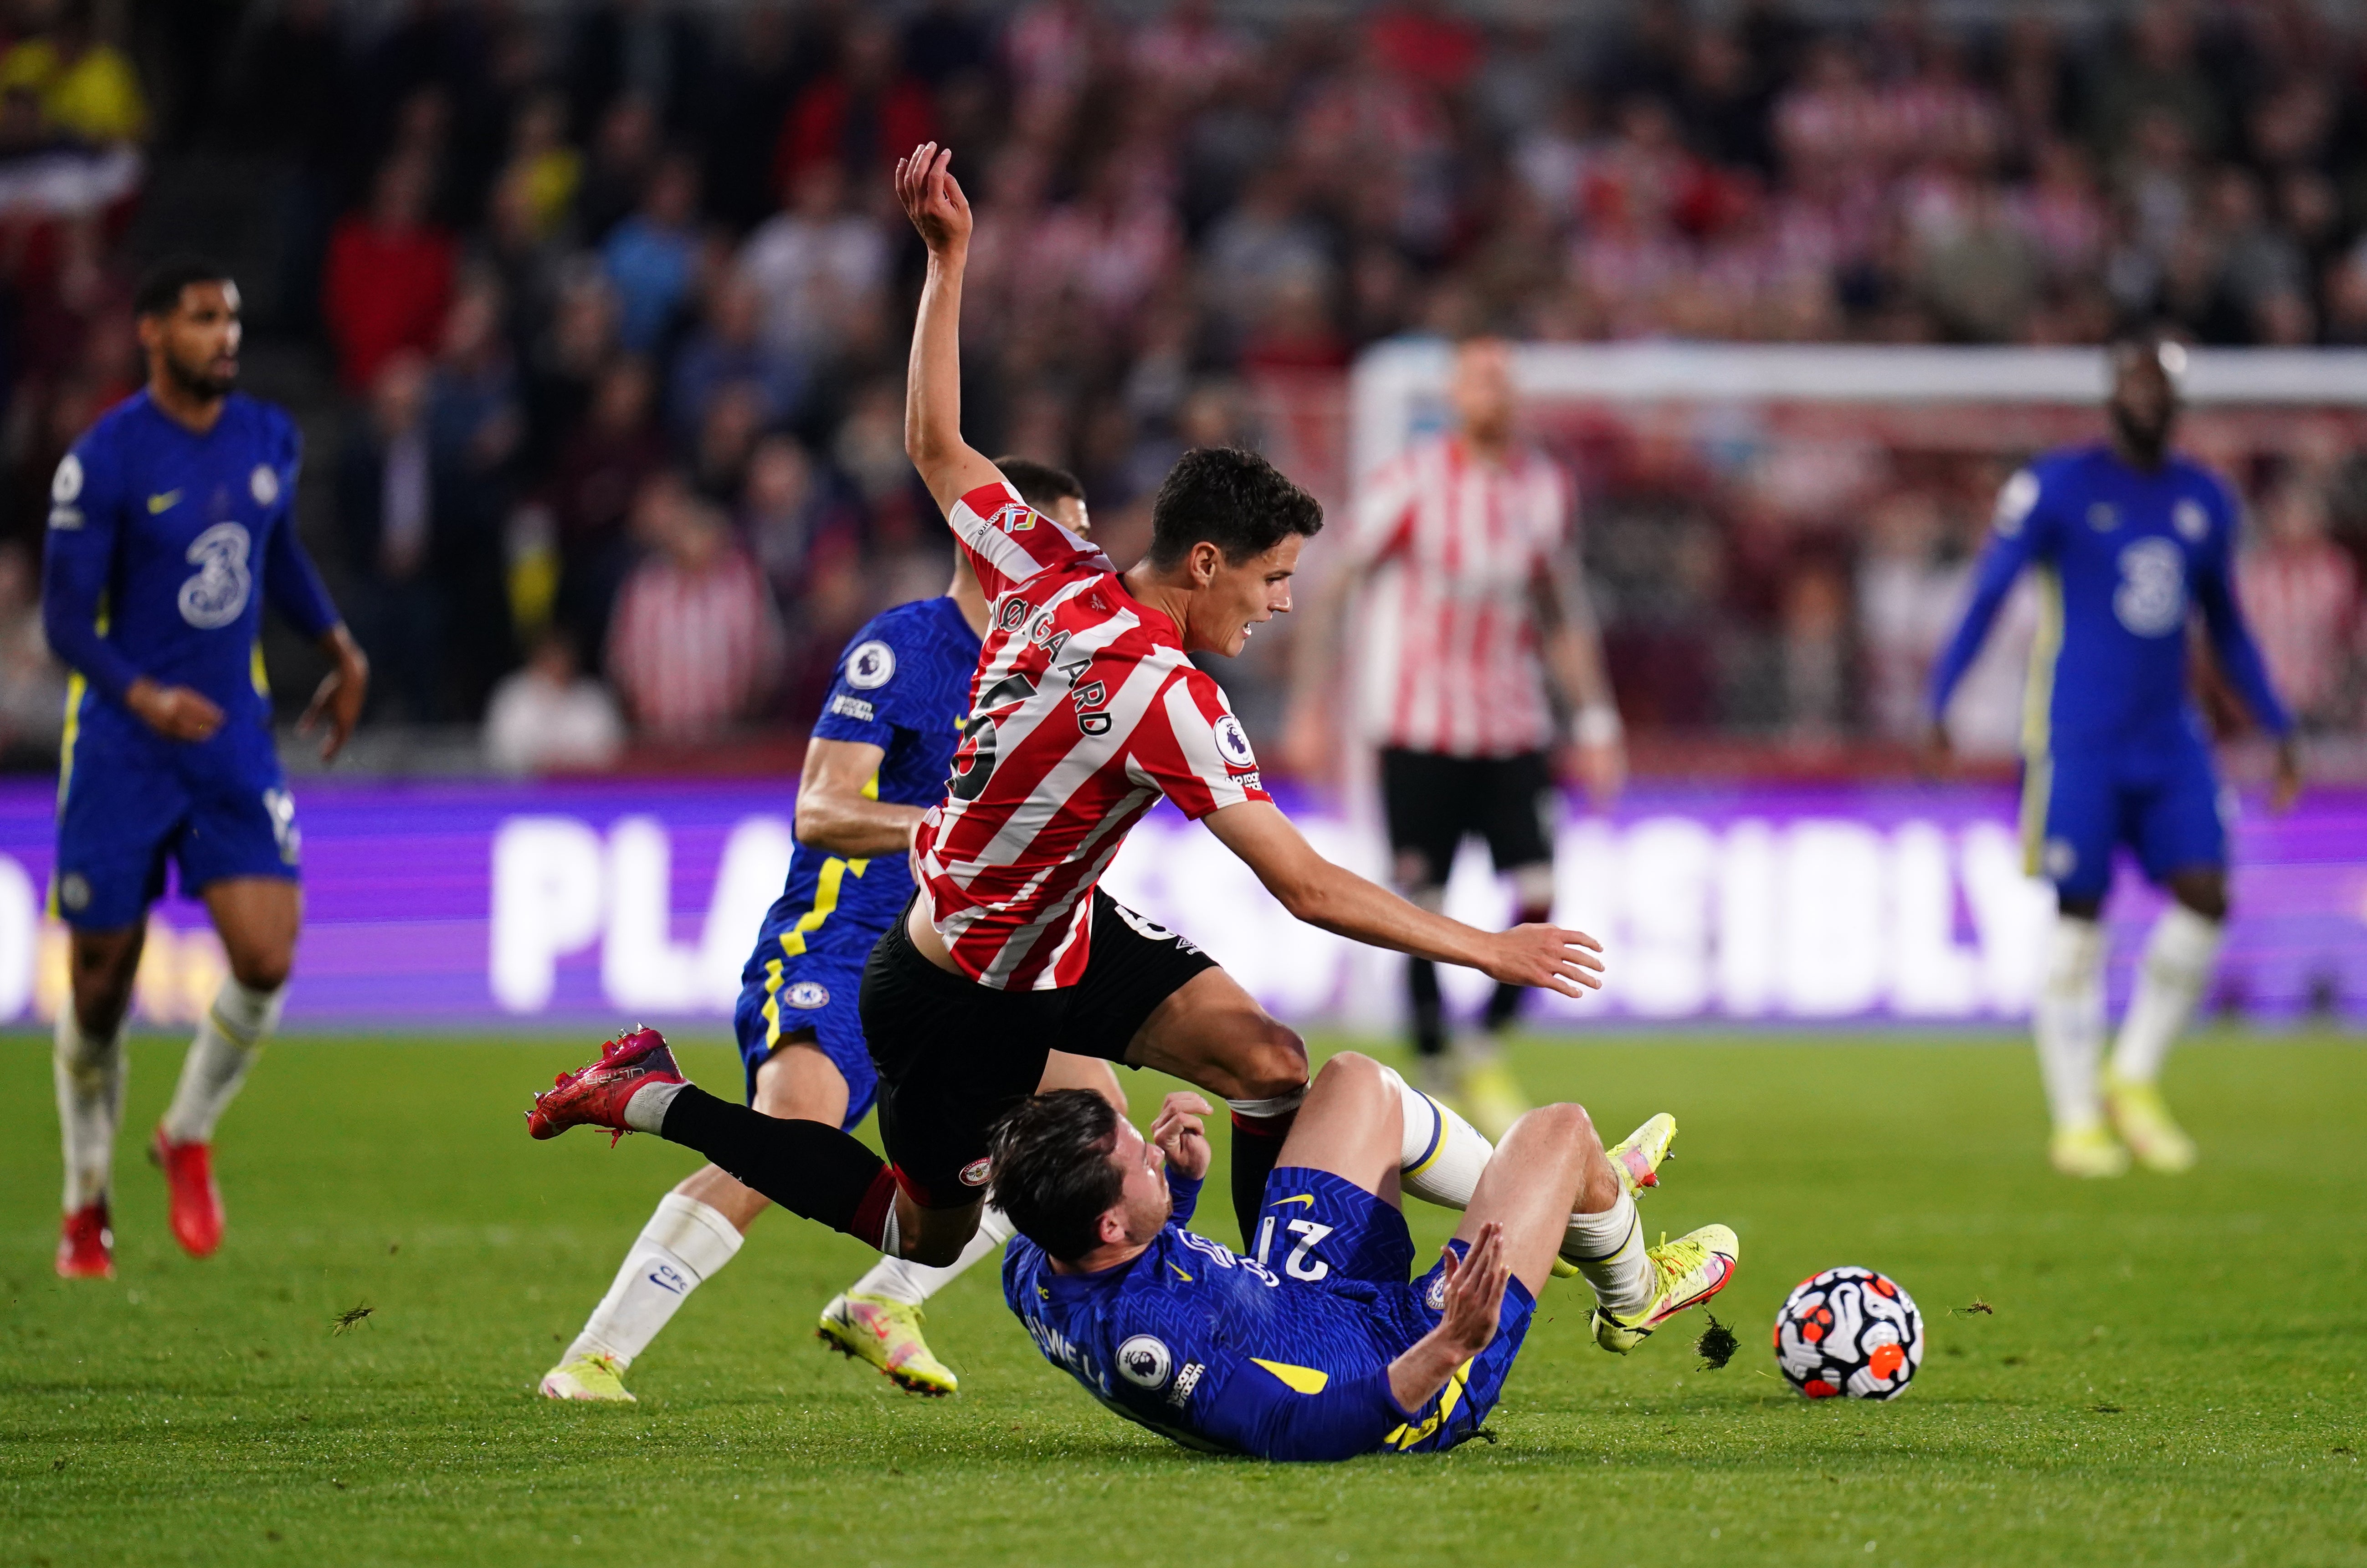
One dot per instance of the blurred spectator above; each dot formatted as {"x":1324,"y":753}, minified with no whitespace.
{"x":790,"y":514}
{"x":593,"y":485}
{"x":652,"y":256}
{"x":32,"y":688}
{"x":2300,"y":591}
{"x":814,"y":266}
{"x":550,"y":717}
{"x":547,"y":167}
{"x":860,"y":117}
{"x":697,"y":644}
{"x":87,"y":88}
{"x":387,"y":508}
{"x":476,"y":428}
{"x":729,"y":350}
{"x":389,"y":279}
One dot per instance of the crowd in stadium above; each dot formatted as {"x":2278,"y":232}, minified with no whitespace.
{"x":611,"y":299}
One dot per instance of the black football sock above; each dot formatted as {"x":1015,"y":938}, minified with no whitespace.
{"x":807,"y":1168}
{"x":1429,"y":1008}
{"x":1257,"y":1144}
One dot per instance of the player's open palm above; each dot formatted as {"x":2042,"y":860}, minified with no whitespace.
{"x":1474,"y":1293}
{"x":1546,"y":957}
{"x":932,"y":199}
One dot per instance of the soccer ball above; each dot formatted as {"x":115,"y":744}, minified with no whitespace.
{"x":1848,"y":1331}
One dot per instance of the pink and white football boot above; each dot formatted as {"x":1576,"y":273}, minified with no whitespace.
{"x":596,"y":1096}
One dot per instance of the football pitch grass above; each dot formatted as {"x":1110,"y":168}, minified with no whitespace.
{"x":2170,"y":1371}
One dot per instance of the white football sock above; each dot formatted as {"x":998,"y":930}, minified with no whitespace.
{"x":2069,"y":1020}
{"x":90,"y":1074}
{"x":1608,"y":1249}
{"x":1444,"y":1155}
{"x":684,"y":1242}
{"x":229,"y":1038}
{"x":913,"y":1283}
{"x":2179,"y":958}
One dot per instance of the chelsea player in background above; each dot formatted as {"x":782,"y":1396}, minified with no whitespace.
{"x":171,"y":522}
{"x":879,"y":755}
{"x":2126,"y":537}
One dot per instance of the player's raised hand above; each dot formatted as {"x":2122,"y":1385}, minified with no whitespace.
{"x":1545,"y":956}
{"x":340,"y":694}
{"x":932,"y":199}
{"x":1475,"y":1291}
{"x":176,"y":713}
{"x":1180,"y":1134}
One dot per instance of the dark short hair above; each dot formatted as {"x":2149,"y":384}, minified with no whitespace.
{"x":1231,"y":499}
{"x":1040,"y":484}
{"x":1052,"y":1170}
{"x":159,"y":292}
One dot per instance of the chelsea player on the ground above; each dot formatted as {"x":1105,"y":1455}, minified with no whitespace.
{"x":171,"y":522}
{"x":2124,"y":538}
{"x":1318,"y":1347}
{"x":879,"y":758}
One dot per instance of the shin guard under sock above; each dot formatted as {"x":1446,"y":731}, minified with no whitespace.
{"x":807,"y":1168}
{"x":1257,"y":1144}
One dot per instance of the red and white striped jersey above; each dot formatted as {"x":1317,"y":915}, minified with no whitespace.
{"x":1083,"y":712}
{"x":1455,"y":547}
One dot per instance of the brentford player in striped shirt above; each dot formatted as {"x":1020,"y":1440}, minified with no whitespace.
{"x":1460,"y":559}
{"x":1085,"y":709}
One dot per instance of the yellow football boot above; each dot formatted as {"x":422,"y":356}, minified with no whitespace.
{"x":599,"y":1378}
{"x":887,"y":1334}
{"x":2147,"y":1125}
{"x":1686,"y":1272}
{"x":2087,"y":1150}
{"x":1489,"y":1099}
{"x":1637,"y":1158}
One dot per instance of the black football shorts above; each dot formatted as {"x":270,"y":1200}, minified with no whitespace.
{"x":954,"y":1054}
{"x":1433,"y":802}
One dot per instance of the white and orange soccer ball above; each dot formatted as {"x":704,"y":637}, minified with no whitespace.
{"x":1848,"y":1331}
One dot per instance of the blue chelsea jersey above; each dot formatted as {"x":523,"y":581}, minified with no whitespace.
{"x":2121,"y":554}
{"x":162,"y":546}
{"x":902,"y":686}
{"x":1214,"y":1349}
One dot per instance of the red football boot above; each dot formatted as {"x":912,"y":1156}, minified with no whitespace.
{"x":86,"y":1243}
{"x":596,"y":1096}
{"x":197,"y":1208}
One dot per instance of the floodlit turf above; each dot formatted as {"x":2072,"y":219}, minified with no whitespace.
{"x":2171,"y":1372}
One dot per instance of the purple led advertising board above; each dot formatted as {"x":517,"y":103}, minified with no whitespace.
{"x":481,"y":905}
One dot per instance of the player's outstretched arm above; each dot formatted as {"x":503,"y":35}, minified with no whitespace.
{"x":1338,"y":901}
{"x":1475,"y":1300}
{"x":834,"y":814}
{"x":932,"y":199}
{"x":2016,"y":538}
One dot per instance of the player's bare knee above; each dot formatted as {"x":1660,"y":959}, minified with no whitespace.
{"x":260,"y":969}
{"x":1565,"y":1122}
{"x":2205,"y":893}
{"x":1275,"y":1065}
{"x":1354,"y":1076}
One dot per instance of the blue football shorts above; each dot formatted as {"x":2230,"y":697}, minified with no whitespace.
{"x":2162,"y":802}
{"x":812,"y":1001}
{"x":1318,"y":1227}
{"x":216,"y":811}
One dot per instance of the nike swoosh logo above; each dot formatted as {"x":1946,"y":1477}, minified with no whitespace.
{"x":165,"y":503}
{"x":1180,"y":1274}
{"x":1305,"y":1198}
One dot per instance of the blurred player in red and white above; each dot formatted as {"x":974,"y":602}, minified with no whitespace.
{"x":1471,"y":602}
